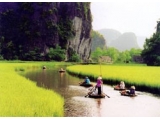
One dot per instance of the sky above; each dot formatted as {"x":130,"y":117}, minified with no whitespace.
{"x":137,"y":16}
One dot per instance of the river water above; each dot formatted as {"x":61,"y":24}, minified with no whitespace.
{"x":77,"y":105}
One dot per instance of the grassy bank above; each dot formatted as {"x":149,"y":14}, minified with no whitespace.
{"x":21,"y":97}
{"x":143,"y":77}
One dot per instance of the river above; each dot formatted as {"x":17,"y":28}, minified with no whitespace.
{"x":77,"y":105}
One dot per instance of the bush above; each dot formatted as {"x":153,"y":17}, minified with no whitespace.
{"x":1,"y":57}
{"x":56,"y":54}
{"x":74,"y":58}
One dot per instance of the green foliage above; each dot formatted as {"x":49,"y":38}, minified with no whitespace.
{"x":134,"y":51}
{"x":56,"y":54}
{"x":1,"y":57}
{"x":151,"y":51}
{"x":74,"y":57}
{"x":96,"y":54}
{"x":86,"y":6}
{"x":117,"y":56}
{"x":65,"y":30}
{"x":113,"y":53}
{"x":31,"y":55}
{"x":97,"y":40}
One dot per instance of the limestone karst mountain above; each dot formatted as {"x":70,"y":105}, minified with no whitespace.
{"x":122,"y":42}
{"x":32,"y":28}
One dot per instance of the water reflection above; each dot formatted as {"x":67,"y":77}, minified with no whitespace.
{"x":76,"y":105}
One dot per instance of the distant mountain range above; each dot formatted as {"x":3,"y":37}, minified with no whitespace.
{"x":122,"y":42}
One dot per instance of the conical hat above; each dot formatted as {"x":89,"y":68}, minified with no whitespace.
{"x":100,"y":78}
{"x":133,"y":87}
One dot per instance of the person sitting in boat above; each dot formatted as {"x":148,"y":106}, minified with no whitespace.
{"x":94,"y":92}
{"x":86,"y":80}
{"x":122,"y":85}
{"x":99,"y":84}
{"x":132,"y":90}
{"x":61,"y":69}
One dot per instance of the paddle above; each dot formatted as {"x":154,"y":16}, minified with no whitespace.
{"x":91,"y":91}
{"x":107,"y":95}
{"x":104,"y":93}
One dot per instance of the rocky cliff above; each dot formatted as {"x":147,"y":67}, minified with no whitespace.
{"x":26,"y":27}
{"x":122,"y":42}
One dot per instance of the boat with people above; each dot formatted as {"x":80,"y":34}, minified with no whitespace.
{"x":120,"y":86}
{"x":61,"y":70}
{"x":85,"y":84}
{"x":130,"y":92}
{"x":117,"y":87}
{"x":44,"y":67}
{"x":96,"y":95}
{"x":127,"y":94}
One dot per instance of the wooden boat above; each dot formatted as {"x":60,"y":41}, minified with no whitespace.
{"x":44,"y":67}
{"x":118,"y":88}
{"x":127,"y":94}
{"x":96,"y":95}
{"x":61,"y":71}
{"x":85,"y":85}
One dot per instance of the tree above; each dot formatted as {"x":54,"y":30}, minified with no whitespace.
{"x":151,"y":51}
{"x":96,"y":54}
{"x":57,"y":54}
{"x":113,"y":53}
{"x":97,"y":40}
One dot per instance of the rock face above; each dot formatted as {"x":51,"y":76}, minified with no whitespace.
{"x":109,"y":35}
{"x":80,"y":43}
{"x":40,"y":26}
{"x":122,"y":42}
{"x":125,"y":42}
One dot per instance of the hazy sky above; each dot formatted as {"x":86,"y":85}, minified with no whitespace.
{"x":136,"y":16}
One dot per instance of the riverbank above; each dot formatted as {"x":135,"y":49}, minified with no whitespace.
{"x":143,"y":77}
{"x":21,"y":97}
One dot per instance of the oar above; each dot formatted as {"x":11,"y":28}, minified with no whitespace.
{"x":88,"y":94}
{"x":139,"y":94}
{"x":91,"y":91}
{"x":103,"y":92}
{"x":107,"y":95}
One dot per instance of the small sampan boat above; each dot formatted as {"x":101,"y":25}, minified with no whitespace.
{"x":85,"y":85}
{"x":117,"y":87}
{"x":126,"y":93}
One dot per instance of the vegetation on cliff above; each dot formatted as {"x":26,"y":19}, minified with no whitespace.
{"x":29,"y":30}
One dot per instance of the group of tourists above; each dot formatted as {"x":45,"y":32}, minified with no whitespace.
{"x":98,"y":87}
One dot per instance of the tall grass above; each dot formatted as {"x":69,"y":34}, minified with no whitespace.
{"x":21,"y":97}
{"x":143,"y":77}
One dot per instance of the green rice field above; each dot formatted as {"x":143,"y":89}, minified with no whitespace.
{"x":20,"y":97}
{"x":145,"y":78}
